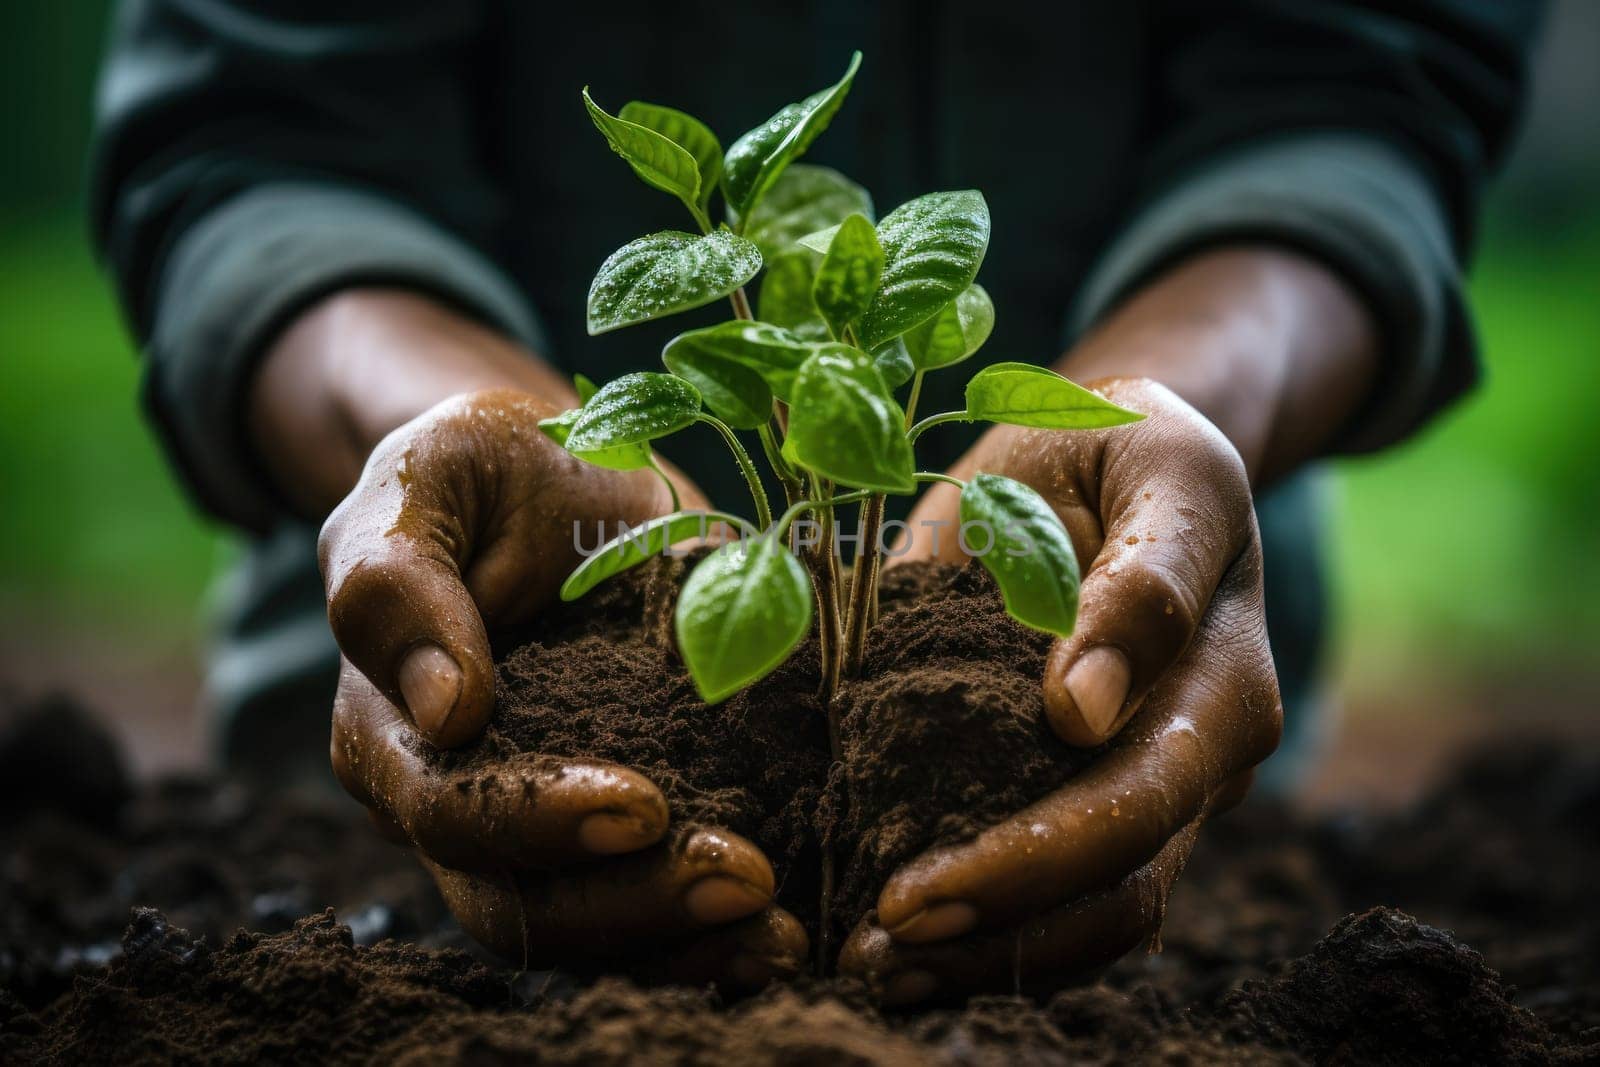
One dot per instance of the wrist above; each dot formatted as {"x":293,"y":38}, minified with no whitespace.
{"x":361,"y":362}
{"x":1268,"y":344}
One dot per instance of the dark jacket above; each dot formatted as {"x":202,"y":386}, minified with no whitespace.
{"x":253,"y":155}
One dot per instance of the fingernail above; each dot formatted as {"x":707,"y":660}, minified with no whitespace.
{"x":908,"y":987}
{"x":719,"y":899}
{"x":430,"y":681}
{"x":936,"y":923}
{"x":608,"y":834}
{"x":1098,"y":684}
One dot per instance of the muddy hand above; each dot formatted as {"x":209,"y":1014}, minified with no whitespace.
{"x":1169,"y":667}
{"x":462,"y":521}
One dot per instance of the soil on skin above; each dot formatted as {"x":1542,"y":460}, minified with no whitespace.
{"x":287,"y":931}
{"x":943,"y":734}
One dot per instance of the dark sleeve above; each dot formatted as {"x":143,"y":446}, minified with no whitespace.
{"x":1361,"y":133}
{"x":251,"y":156}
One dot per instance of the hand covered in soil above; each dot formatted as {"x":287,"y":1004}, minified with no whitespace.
{"x":1168,"y":668}
{"x":463,"y":520}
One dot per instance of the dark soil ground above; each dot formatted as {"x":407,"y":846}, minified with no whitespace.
{"x":191,"y":921}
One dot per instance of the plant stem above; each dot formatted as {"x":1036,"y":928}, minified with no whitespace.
{"x":863,"y":580}
{"x":825,"y":573}
{"x":671,"y":488}
{"x":935,"y":476}
{"x":748,"y":469}
{"x":825,"y":567}
{"x":780,"y":466}
{"x":934,"y":420}
{"x":818,"y":504}
{"x":825,"y":911}
{"x":700,"y":217}
{"x":911,"y":401}
{"x":741,"y":305}
{"x":825,"y":578}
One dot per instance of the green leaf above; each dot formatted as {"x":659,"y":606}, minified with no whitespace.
{"x":688,"y":133}
{"x":585,"y":387}
{"x":932,"y":248}
{"x":732,"y":392}
{"x":756,"y":159}
{"x":803,"y":200}
{"x":559,"y":427}
{"x":658,"y":160}
{"x":785,"y":298}
{"x":1021,"y":394}
{"x":740,"y":615}
{"x":848,"y":276}
{"x":821,"y":240}
{"x":955,"y":333}
{"x":634,"y":547}
{"x":894,"y":363}
{"x":666,"y":273}
{"x":772,"y":352}
{"x":634,"y":409}
{"x":1026,"y":549}
{"x":845,"y":425}
{"x":622,"y":458}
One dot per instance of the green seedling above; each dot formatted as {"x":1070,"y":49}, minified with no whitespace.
{"x":852,"y":311}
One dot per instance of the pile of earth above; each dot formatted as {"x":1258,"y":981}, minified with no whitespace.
{"x":189,"y":920}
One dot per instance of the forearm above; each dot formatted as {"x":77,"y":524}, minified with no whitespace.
{"x":1270,"y":345}
{"x":361,"y":362}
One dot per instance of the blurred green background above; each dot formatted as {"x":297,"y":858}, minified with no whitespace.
{"x":1468,"y":560}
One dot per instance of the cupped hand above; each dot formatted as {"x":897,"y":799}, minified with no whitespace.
{"x":463,"y":521}
{"x":1168,"y":668}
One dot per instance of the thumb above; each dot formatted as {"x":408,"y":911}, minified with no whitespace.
{"x":1171,"y":534}
{"x":391,"y":566}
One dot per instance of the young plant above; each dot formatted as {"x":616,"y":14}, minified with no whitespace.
{"x":850,"y":313}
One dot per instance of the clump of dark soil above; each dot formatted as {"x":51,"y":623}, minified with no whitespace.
{"x":943,"y":734}
{"x":1383,"y":986}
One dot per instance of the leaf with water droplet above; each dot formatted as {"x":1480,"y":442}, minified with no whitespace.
{"x":740,"y":614}
{"x":720,"y":360}
{"x":622,"y":458}
{"x":755,"y":161}
{"x":731,"y":391}
{"x":1021,"y":394}
{"x":894,"y":363}
{"x":666,"y":273}
{"x":1029,"y":552}
{"x":685,"y":131}
{"x":848,"y":275}
{"x":785,"y":298}
{"x":658,"y":160}
{"x":956,"y":332}
{"x":805,"y":199}
{"x":932,"y":249}
{"x":845,"y":425}
{"x":633,"y":547}
{"x":632,"y":410}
